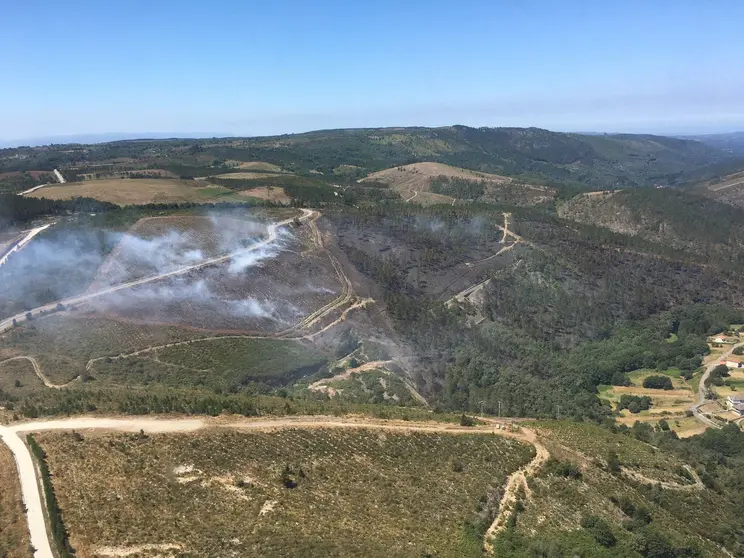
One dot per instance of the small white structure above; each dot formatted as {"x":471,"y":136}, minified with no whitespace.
{"x":733,"y":363}
{"x":736,"y":404}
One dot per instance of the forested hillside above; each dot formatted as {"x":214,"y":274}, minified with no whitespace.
{"x":530,"y":154}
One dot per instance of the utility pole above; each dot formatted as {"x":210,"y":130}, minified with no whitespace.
{"x":558,"y":416}
{"x":499,"y":409}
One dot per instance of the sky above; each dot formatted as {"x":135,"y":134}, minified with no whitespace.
{"x":196,"y":68}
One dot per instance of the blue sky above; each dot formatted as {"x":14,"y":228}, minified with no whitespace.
{"x":249,"y":68}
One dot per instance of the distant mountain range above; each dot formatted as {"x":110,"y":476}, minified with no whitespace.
{"x":107,"y":137}
{"x":732,"y":142}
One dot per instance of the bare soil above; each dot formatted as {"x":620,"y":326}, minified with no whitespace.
{"x":274,"y":194}
{"x":14,"y":539}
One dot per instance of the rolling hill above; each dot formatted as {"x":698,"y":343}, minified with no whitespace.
{"x":532,"y":155}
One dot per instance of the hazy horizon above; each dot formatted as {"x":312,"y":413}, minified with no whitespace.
{"x":290,"y":67}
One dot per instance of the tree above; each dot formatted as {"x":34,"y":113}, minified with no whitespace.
{"x":658,"y":382}
{"x":600,"y":530}
{"x":613,"y":462}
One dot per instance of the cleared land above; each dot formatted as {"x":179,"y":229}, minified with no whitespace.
{"x":292,"y":492}
{"x":246,"y":175}
{"x":14,"y":539}
{"x":415,"y":182}
{"x":133,"y":191}
{"x":256,"y":166}
{"x":274,"y":194}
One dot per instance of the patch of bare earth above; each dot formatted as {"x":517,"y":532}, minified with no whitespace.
{"x":272,"y":194}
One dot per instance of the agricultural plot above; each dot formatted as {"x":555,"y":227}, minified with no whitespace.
{"x":292,"y":492}
{"x":133,"y":191}
{"x":367,"y":384}
{"x":683,"y":515}
{"x":664,"y":403}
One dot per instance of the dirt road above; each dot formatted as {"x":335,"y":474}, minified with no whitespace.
{"x":12,"y":436}
{"x":513,"y":484}
{"x":37,"y":369}
{"x":272,"y":234}
{"x":700,"y":400}
{"x":22,"y":243}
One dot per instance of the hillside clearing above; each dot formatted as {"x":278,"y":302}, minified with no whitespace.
{"x":133,"y":191}
{"x":417,"y":182}
{"x":245,"y":175}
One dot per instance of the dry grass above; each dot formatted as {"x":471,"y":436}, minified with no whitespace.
{"x":256,"y":166}
{"x":246,"y":175}
{"x":220,"y":492}
{"x":14,"y":541}
{"x":274,"y":194}
{"x":132,"y":191}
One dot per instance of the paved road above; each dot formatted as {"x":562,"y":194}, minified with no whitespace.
{"x":272,"y":234}
{"x":25,"y":240}
{"x":701,"y":389}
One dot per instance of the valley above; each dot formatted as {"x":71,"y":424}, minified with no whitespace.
{"x":429,"y":342}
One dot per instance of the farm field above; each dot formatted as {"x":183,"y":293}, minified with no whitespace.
{"x":133,"y":191}
{"x":256,"y":166}
{"x":14,"y":540}
{"x":275,"y":194}
{"x":290,"y":492}
{"x":670,"y":405}
{"x":247,"y":175}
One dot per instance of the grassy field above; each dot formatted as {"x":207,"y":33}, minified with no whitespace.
{"x":275,"y":194}
{"x":550,"y":522}
{"x":132,"y":191}
{"x":670,"y":405}
{"x":14,"y":541}
{"x":319,"y":492}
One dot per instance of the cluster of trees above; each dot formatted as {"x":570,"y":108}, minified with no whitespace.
{"x":634,"y":403}
{"x":460,"y":188}
{"x":17,"y":210}
{"x":658,"y":382}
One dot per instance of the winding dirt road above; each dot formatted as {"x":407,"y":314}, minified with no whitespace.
{"x":32,"y":499}
{"x":37,"y":369}
{"x":513,"y":484}
{"x":700,"y":401}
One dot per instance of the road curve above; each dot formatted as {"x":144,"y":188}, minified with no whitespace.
{"x":701,"y":389}
{"x":32,"y":499}
{"x":25,"y":240}
{"x":37,"y":369}
{"x":272,"y":234}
